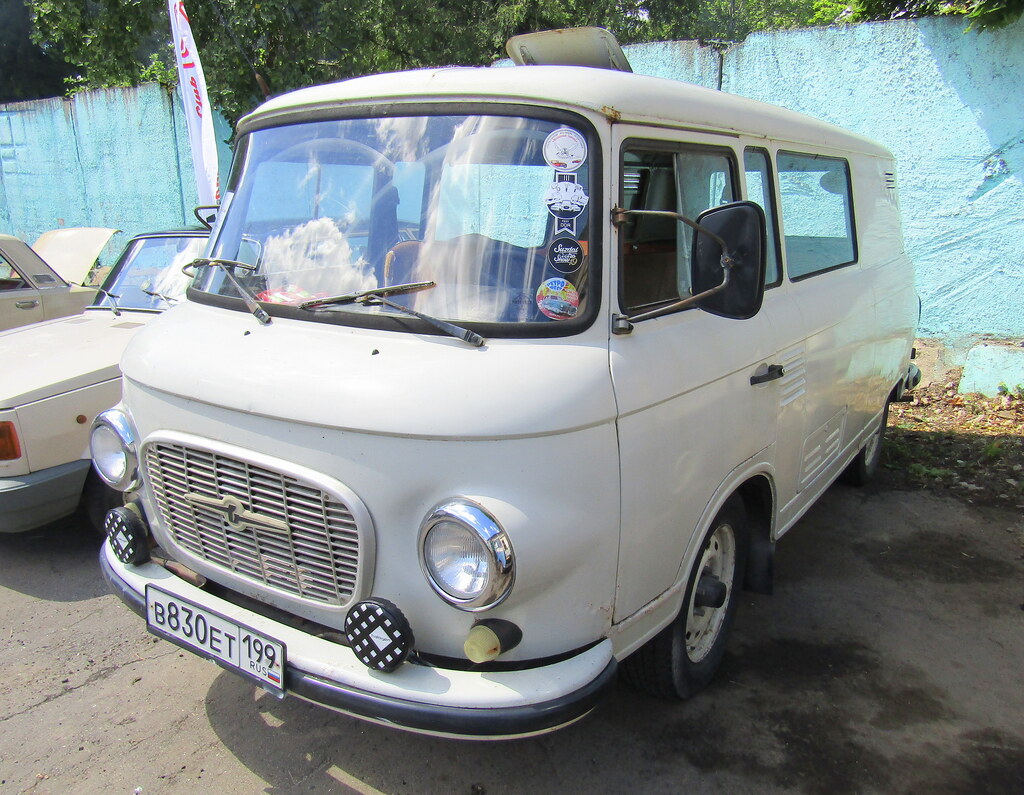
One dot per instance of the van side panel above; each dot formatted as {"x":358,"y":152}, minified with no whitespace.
{"x":890,"y":271}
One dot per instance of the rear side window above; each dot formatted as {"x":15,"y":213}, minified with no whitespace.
{"x":10,"y":279}
{"x":817,"y":213}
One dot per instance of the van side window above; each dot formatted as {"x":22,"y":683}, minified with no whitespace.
{"x":656,"y":251}
{"x":817,"y":213}
{"x":759,"y":190}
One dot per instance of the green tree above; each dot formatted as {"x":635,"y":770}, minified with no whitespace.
{"x":26,"y":70}
{"x":980,"y":14}
{"x":252,"y":49}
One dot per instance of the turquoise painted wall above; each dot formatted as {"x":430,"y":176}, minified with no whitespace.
{"x":947,"y":104}
{"x":117,"y":158}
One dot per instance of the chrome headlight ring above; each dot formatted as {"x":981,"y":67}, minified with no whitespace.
{"x":466,"y":555}
{"x":114,"y":450}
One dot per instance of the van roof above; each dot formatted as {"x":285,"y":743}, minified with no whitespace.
{"x":616,"y":95}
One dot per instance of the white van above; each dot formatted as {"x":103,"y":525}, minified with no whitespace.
{"x":459,"y":418}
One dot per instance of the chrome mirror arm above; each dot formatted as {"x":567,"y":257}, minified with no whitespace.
{"x":619,"y":217}
{"x":623,"y":324}
{"x":690,"y":300}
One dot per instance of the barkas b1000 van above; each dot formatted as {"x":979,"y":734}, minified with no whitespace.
{"x":496,"y":382}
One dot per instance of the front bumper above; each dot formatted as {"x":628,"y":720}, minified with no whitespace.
{"x":30,"y":501}
{"x":417,"y":698}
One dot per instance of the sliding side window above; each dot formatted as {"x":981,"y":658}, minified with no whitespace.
{"x":817,"y":213}
{"x":656,"y":250}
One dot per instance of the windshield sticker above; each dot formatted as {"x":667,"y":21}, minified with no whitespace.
{"x":566,"y":200}
{"x":565,"y":255}
{"x":558,"y":299}
{"x":565,"y":149}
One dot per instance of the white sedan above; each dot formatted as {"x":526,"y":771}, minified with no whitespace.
{"x":58,"y":375}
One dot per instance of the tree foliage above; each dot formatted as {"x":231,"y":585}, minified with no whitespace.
{"x":26,"y":70}
{"x":251,"y":49}
{"x":981,"y":14}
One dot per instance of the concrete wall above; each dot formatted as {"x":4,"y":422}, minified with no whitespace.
{"x":947,"y":104}
{"x":116,"y":158}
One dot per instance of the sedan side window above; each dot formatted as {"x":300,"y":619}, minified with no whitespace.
{"x":10,"y":279}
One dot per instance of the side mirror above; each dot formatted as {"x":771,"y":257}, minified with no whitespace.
{"x":206,"y":214}
{"x":740,"y":274}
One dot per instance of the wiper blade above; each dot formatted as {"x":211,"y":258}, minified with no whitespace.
{"x":226,"y":265}
{"x":113,"y":298}
{"x":376,"y":296}
{"x":167,"y":298}
{"x":451,"y":329}
{"x":376,"y":292}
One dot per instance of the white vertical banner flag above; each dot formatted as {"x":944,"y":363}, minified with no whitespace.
{"x":198,"y":113}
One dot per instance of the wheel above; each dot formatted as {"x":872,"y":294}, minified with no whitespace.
{"x":97,"y":499}
{"x":864,"y":466}
{"x":683,"y":657}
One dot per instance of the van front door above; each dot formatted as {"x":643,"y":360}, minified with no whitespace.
{"x":688,"y":414}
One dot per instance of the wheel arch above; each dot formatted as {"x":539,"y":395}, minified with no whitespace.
{"x":753,"y":484}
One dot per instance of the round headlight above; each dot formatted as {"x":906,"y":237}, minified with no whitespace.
{"x":466,"y":556}
{"x":112,"y":446}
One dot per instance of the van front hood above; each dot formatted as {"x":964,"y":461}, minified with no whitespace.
{"x":381,"y":382}
{"x":58,"y":356}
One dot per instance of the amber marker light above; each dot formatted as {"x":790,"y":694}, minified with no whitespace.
{"x":490,"y":638}
{"x":10,"y":449}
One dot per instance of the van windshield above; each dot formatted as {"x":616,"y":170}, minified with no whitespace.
{"x":493,"y":209}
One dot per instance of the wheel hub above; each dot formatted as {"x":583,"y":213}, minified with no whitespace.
{"x":709,"y":600}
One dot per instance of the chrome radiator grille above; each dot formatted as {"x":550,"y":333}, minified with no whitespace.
{"x":264,"y":525}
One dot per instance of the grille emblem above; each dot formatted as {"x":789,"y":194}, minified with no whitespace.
{"x":236,"y":514}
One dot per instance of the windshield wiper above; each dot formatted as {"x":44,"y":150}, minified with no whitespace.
{"x":167,"y":298}
{"x":226,"y":265}
{"x":113,"y":298}
{"x":376,"y":292}
{"x":451,"y":329}
{"x":376,"y":296}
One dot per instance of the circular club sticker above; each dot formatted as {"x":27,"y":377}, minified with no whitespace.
{"x":565,"y":255}
{"x":558,"y":299}
{"x":565,"y":149}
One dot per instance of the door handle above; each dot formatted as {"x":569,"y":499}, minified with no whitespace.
{"x":26,"y":304}
{"x":774,"y":371}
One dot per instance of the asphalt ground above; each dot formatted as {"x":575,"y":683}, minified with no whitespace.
{"x":890,"y":659}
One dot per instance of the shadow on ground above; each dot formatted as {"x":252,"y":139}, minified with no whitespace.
{"x":57,"y":562}
{"x":867,"y":671}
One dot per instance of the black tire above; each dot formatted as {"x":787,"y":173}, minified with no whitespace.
{"x":863,"y":467}
{"x":683,"y":657}
{"x":97,"y":499}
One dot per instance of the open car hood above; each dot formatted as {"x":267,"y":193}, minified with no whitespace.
{"x":71,"y":252}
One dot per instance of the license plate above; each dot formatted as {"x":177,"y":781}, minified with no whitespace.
{"x":211,"y":635}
